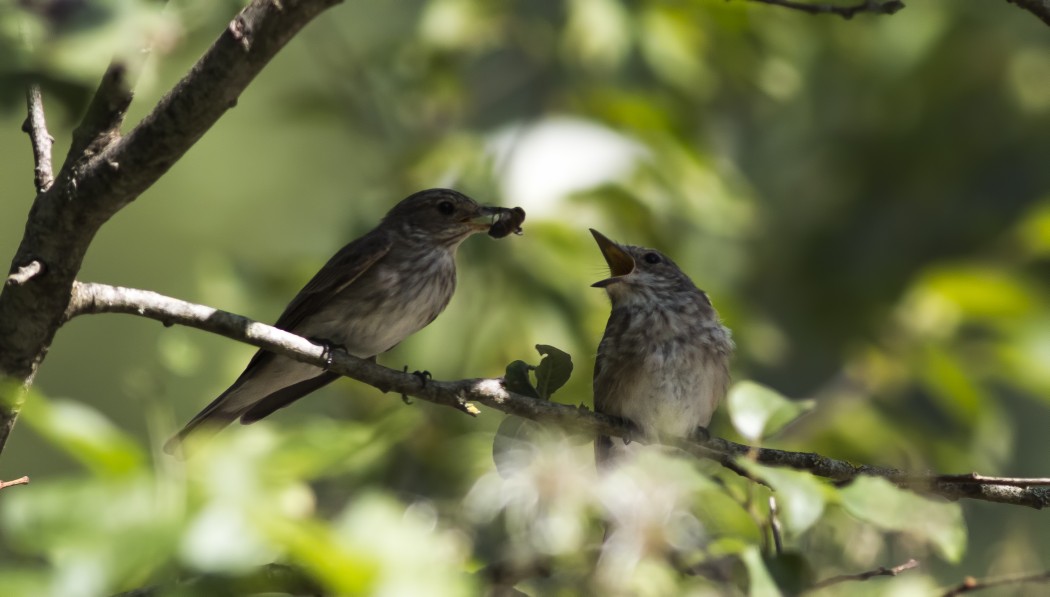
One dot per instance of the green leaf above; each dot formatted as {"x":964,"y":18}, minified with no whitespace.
{"x":516,"y":379}
{"x":791,"y":571}
{"x":800,"y":496}
{"x":85,"y":434}
{"x":554,"y":370}
{"x":758,"y":411}
{"x":760,"y":582}
{"x":891,"y":508}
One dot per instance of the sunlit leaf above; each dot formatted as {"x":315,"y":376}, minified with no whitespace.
{"x":84,"y":434}
{"x":799,"y":495}
{"x":758,"y":411}
{"x":891,"y":508}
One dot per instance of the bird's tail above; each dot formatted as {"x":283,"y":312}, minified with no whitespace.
{"x":214,"y":417}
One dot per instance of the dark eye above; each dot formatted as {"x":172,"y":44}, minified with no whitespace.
{"x":446,"y":208}
{"x":653,"y":258}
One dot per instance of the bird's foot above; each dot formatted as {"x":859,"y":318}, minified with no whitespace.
{"x":328,"y":348}
{"x":423,"y":377}
{"x":633,"y":431}
{"x":700,"y":434}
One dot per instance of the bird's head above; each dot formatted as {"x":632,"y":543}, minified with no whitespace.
{"x":445,"y":217}
{"x":638,"y":274}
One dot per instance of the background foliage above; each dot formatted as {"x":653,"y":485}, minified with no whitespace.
{"x":867,"y":201}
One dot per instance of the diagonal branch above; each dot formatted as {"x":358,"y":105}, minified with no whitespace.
{"x":36,"y":126}
{"x":105,"y":172}
{"x":880,"y":571}
{"x":89,"y":298}
{"x":101,"y":123}
{"x":877,"y":7}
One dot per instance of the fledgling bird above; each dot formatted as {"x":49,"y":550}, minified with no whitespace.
{"x":374,"y":293}
{"x":663,"y":363}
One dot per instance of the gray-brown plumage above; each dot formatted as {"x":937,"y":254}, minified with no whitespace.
{"x":371,"y":295}
{"x":663,"y":363}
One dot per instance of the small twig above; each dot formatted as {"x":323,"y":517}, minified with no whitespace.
{"x":36,"y":126}
{"x":19,"y":481}
{"x":972,"y":585}
{"x":880,"y":571}
{"x":25,"y":273}
{"x":877,"y":7}
{"x":774,"y":526}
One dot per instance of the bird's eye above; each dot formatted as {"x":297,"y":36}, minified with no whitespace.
{"x":446,"y":208}
{"x":653,"y":258}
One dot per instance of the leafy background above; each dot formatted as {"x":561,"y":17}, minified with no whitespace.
{"x":866,"y":201}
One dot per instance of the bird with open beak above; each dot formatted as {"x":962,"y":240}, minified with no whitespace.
{"x":374,"y":293}
{"x":663,"y":363}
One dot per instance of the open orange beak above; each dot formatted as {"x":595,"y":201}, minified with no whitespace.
{"x":620,"y":262}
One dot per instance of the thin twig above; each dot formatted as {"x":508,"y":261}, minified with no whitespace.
{"x":36,"y":126}
{"x":774,"y":525}
{"x":972,"y":585}
{"x":19,"y":481}
{"x":877,"y":7}
{"x":89,"y":298}
{"x":880,"y":571}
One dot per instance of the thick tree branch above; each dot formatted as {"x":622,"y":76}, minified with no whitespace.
{"x":877,"y":7}
{"x":36,"y":126}
{"x":101,"y":124}
{"x":90,"y":298}
{"x":105,"y":172}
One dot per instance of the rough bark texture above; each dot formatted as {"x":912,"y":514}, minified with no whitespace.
{"x":105,"y":172}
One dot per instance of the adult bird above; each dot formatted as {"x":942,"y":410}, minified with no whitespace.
{"x":663,"y":363}
{"x":374,"y":293}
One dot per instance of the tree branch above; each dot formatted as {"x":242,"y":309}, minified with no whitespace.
{"x":877,"y":7}
{"x":18,"y":481}
{"x":972,"y":585}
{"x":36,"y":126}
{"x":89,"y":298}
{"x":105,"y":172}
{"x":101,"y":124}
{"x":880,"y":571}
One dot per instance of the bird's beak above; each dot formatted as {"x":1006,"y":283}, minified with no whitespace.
{"x":620,"y":262}
{"x":498,"y":221}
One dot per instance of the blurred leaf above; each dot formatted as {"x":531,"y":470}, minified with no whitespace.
{"x":758,"y":411}
{"x":800,"y":496}
{"x":84,"y":434}
{"x":760,"y":582}
{"x":516,"y":379}
{"x":953,"y":384}
{"x":980,"y":291}
{"x":791,"y":571}
{"x":512,"y":446}
{"x":553,"y":371}
{"x":891,"y":508}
